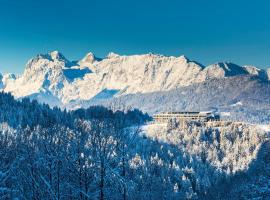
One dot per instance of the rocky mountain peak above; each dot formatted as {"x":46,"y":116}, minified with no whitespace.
{"x":112,"y":55}
{"x":8,"y":77}
{"x":183,"y":58}
{"x":89,"y":58}
{"x":228,"y":69}
{"x":56,"y":55}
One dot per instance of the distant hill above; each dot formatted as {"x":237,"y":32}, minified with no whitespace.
{"x":243,"y":97}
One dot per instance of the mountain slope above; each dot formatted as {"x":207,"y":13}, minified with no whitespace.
{"x":243,"y":97}
{"x":66,"y":81}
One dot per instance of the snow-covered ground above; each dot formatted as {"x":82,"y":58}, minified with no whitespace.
{"x":155,"y":131}
{"x":264,"y":127}
{"x":239,"y":103}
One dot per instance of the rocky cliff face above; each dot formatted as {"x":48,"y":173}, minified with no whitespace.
{"x":52,"y":76}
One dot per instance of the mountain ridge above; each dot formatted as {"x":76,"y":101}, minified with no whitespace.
{"x":69,"y":81}
{"x":242,"y":98}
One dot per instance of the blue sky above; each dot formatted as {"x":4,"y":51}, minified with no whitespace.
{"x":204,"y":30}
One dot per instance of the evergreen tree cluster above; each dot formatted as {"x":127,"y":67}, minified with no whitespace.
{"x":97,"y":153}
{"x":29,"y":113}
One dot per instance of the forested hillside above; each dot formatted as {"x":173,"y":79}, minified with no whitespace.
{"x":102,"y":154}
{"x":29,"y":113}
{"x":242,"y":98}
{"x":227,"y":162}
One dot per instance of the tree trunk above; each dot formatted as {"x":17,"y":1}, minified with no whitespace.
{"x":102,"y":171}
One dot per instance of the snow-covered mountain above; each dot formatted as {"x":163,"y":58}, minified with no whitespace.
{"x":241,"y":98}
{"x":53,"y":79}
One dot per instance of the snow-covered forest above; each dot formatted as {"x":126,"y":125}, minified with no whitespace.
{"x":97,"y":153}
